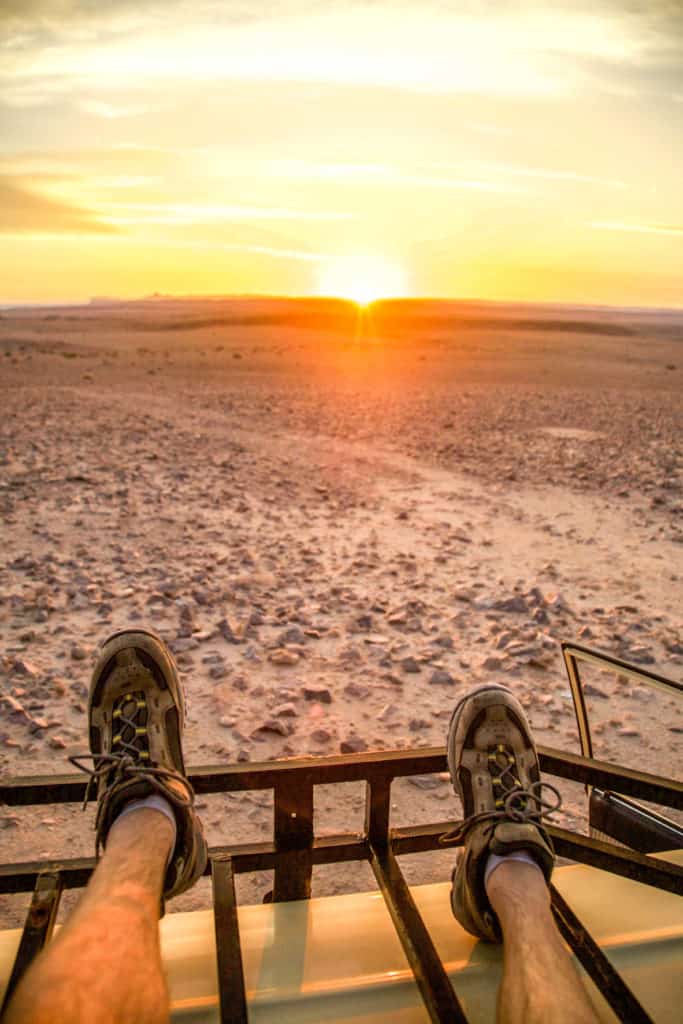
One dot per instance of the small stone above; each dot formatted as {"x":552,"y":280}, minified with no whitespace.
{"x":516,"y":603}
{"x":25,"y":668}
{"x":283,"y":657}
{"x":314,"y":691}
{"x":294,"y":635}
{"x":639,"y":654}
{"x":410,"y":665}
{"x":440,"y":677}
{"x":590,"y":690}
{"x":321,"y":736}
{"x":218,"y":672}
{"x":15,"y":706}
{"x":275,"y":725}
{"x":356,"y":690}
{"x":213,"y":658}
{"x":444,"y":641}
{"x":227,"y":721}
{"x":78,"y":653}
{"x":57,"y":743}
{"x":425,"y":781}
{"x":419,"y":724}
{"x":285,"y":711}
{"x":182,"y":645}
{"x":353,"y":745}
{"x":492,"y":664}
{"x":628,"y":733}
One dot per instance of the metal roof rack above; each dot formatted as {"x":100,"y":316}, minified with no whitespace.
{"x":294,"y":850}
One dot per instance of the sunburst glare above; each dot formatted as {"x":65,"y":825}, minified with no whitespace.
{"x":362,"y":278}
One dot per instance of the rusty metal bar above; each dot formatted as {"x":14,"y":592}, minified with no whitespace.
{"x":377,"y":810}
{"x":293,"y":830}
{"x":349,"y":847}
{"x":434,"y":984}
{"x":40,"y":921}
{"x":661,"y":874}
{"x":231,"y":992}
{"x":50,"y":789}
{"x":595,"y":963}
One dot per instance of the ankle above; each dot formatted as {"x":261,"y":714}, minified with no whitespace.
{"x":516,"y":887}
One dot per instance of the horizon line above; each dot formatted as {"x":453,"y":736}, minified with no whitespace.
{"x":95,"y":301}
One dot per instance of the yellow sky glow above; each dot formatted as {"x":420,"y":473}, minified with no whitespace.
{"x":398,"y":148}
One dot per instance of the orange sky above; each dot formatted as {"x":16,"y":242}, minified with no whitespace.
{"x":498,"y":150}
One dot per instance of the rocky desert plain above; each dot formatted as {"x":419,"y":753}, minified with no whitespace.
{"x":340,"y":521}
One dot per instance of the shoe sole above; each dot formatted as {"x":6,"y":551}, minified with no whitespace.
{"x":453,"y":725}
{"x":157,"y":658}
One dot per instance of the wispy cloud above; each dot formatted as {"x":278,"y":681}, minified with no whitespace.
{"x":388,"y":175}
{"x":298,"y":255}
{"x":642,"y":229}
{"x":25,"y":211}
{"x":543,"y":173}
{"x":192,"y":213}
{"x":113,"y":111}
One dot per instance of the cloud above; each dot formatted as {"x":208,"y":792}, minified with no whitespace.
{"x":112,"y":111}
{"x":675,"y":230}
{"x":26,"y":212}
{"x":543,"y":173}
{"x":387,"y":175}
{"x":193,"y":213}
{"x":298,"y":255}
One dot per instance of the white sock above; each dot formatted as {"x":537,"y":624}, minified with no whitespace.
{"x":494,"y":861}
{"x":155,"y":802}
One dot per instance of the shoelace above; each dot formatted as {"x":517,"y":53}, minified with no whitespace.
{"x":122,"y":767}
{"x":520,"y":805}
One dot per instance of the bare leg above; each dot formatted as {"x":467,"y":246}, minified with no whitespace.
{"x":104,"y":966}
{"x":540,"y":984}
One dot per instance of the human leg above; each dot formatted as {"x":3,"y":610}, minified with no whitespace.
{"x":494,"y":767}
{"x":540,"y":982}
{"x":104,"y":965}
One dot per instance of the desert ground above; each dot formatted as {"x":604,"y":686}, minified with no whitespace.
{"x":340,"y":522}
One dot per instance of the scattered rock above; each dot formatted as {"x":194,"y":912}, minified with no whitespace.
{"x":283,"y":657}
{"x":590,"y":690}
{"x":425,"y":781}
{"x":353,"y":745}
{"x":356,"y":690}
{"x":515,"y":604}
{"x":25,"y":668}
{"x":492,"y":663}
{"x":276,"y":725}
{"x":317,"y":692}
{"x":440,"y":677}
{"x":287,"y":710}
{"x":410,"y":665}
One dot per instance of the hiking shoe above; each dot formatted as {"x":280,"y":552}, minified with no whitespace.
{"x":136,"y":714}
{"x":494,"y":768}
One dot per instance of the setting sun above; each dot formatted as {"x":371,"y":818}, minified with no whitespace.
{"x":363,"y":279}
